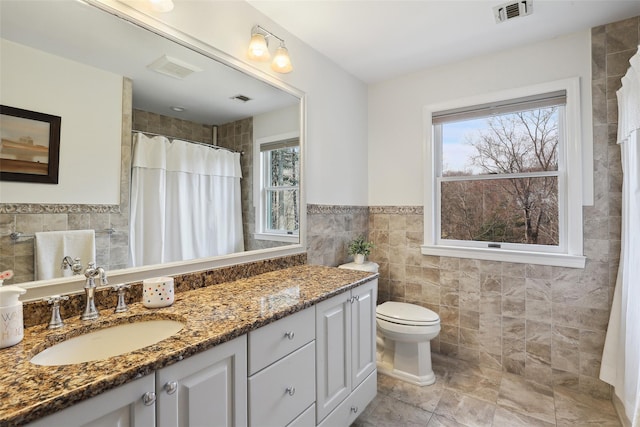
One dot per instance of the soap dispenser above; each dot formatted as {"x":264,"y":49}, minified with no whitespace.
{"x":11,"y":322}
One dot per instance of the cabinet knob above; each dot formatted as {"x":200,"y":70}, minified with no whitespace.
{"x":354,"y":409}
{"x":171,"y":387}
{"x":290,"y":391}
{"x":149,"y":398}
{"x":289,"y":334}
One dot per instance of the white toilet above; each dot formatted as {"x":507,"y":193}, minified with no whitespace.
{"x":405,"y":332}
{"x":404,"y":338}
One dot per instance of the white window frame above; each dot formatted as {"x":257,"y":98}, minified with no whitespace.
{"x":569,"y":253}
{"x":259,"y":193}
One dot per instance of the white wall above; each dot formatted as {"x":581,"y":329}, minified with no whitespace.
{"x":396,"y":122}
{"x":336,"y":144}
{"x":90,"y":135}
{"x":278,"y":122}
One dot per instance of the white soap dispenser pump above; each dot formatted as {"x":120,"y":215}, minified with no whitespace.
{"x":11,"y":321}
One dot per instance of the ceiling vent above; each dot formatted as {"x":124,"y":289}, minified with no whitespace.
{"x":173,"y":67}
{"x":242,"y":98}
{"x":507,"y":11}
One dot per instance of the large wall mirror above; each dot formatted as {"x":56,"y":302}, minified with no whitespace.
{"x":118,"y":84}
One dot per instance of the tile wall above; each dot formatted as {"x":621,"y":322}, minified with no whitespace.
{"x":238,"y":136}
{"x":330,"y":229}
{"x":172,"y":127}
{"x":544,"y":323}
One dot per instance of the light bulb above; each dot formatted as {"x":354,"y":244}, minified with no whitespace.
{"x":258,"y":49}
{"x":281,"y":62}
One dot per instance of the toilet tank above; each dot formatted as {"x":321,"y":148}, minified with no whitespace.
{"x":369,"y":266}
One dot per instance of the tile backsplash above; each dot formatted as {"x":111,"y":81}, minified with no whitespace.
{"x":39,"y":312}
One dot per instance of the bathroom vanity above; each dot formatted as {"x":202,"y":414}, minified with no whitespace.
{"x":291,"y":347}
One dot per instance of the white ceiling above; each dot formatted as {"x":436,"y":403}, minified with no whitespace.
{"x":380,"y":39}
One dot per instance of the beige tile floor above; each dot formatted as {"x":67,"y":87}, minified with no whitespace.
{"x":468,"y":396}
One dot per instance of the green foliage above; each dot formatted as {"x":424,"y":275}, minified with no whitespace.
{"x":360,"y":246}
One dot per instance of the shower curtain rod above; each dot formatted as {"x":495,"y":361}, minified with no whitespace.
{"x":217,"y":147}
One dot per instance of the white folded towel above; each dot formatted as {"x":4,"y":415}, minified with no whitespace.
{"x":52,"y":246}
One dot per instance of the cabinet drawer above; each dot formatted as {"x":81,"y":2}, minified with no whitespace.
{"x":274,"y":341}
{"x":354,"y":404}
{"x":279,"y":393}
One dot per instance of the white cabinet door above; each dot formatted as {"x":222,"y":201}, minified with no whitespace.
{"x":333,"y":354}
{"x":207,"y":389}
{"x":123,"y":406}
{"x":363,"y":331}
{"x":346,"y":348}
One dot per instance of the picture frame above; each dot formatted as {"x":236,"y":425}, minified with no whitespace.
{"x":30,"y":145}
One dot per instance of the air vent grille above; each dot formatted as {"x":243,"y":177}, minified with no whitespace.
{"x":242,"y":98}
{"x":512,"y":10}
{"x":173,"y":67}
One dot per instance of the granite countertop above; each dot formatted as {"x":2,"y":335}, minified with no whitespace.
{"x":212,"y":315}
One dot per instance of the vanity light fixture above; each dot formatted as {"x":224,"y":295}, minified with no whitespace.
{"x":259,"y":50}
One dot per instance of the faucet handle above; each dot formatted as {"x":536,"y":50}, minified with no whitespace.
{"x":66,"y":262}
{"x":76,"y":267}
{"x":121,"y":307}
{"x":56,"y":320}
{"x":90,"y":271}
{"x":103,"y":276}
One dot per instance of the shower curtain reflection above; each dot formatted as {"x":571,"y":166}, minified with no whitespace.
{"x":185,"y":201}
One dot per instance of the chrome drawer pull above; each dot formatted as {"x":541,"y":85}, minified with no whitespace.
{"x":354,"y":409}
{"x":291,"y":391}
{"x":171,"y":387}
{"x":289,"y":334}
{"x":149,"y":398}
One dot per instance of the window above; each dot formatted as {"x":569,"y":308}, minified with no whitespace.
{"x":505,"y":181}
{"x":278,"y":216}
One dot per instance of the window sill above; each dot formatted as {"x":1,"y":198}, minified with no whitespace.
{"x":553,"y":259}
{"x":289,"y":238}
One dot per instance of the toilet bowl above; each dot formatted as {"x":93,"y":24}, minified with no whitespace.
{"x":404,"y":339}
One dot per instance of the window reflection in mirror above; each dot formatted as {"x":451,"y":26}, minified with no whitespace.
{"x":279,"y":171}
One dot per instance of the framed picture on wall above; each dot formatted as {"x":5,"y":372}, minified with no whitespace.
{"x":30,"y":146}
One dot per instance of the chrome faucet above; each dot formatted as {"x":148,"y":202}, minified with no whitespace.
{"x":90,"y":310}
{"x":72,"y":264}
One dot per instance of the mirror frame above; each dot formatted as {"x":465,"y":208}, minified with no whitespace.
{"x":72,"y":285}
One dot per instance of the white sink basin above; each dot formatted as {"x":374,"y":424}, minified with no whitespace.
{"x":107,"y":342}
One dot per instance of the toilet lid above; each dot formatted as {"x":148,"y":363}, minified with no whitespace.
{"x":406,"y":313}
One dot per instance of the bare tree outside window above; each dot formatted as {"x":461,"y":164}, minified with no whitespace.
{"x":507,"y":190}
{"x":282,"y":198}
